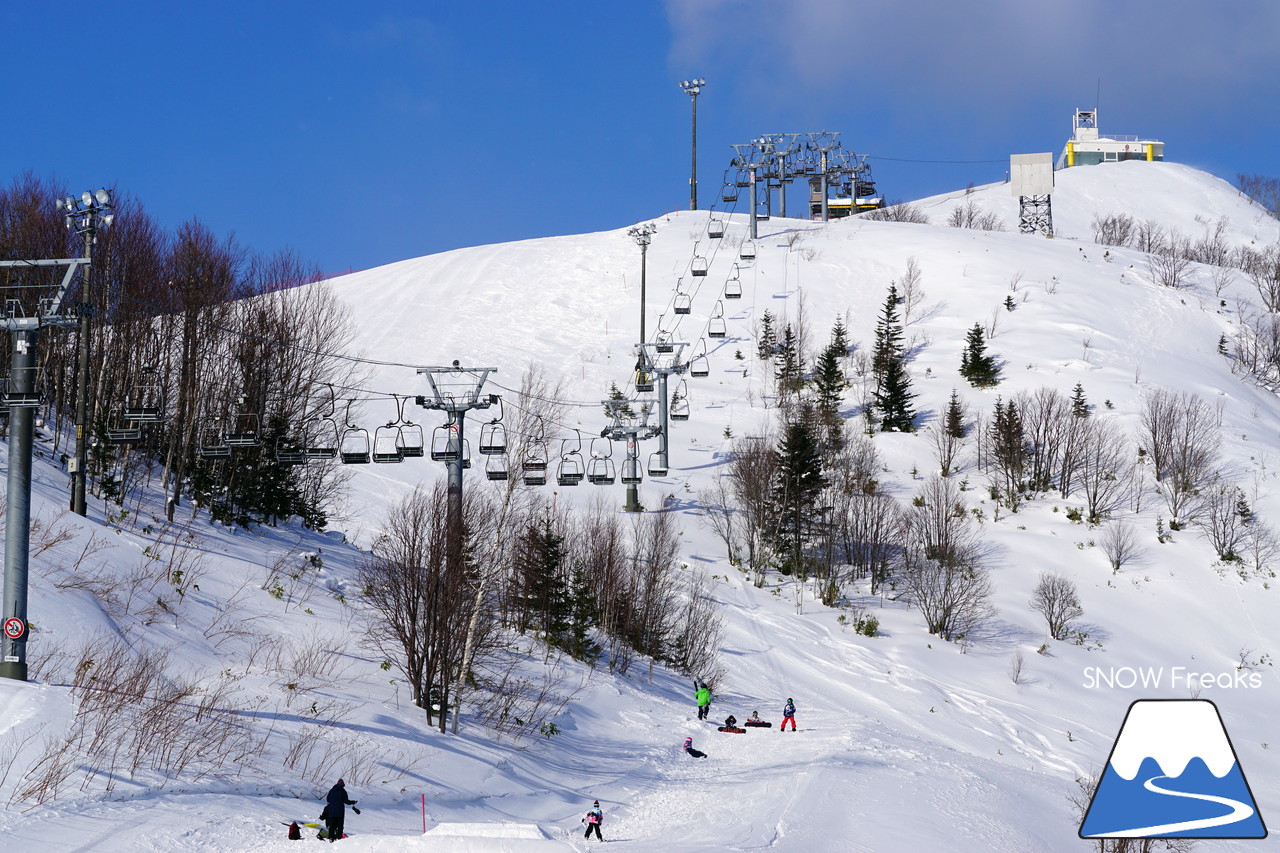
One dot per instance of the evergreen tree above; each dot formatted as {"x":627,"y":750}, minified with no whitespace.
{"x":798,"y":486}
{"x":893,"y":394}
{"x":542,"y":591}
{"x":1079,"y":406}
{"x":840,"y":338}
{"x":767,"y":345}
{"x":975,"y":365}
{"x":953,"y":420}
{"x":829,"y":384}
{"x":788,"y":363}
{"x":1008,"y":450}
{"x":615,"y":393}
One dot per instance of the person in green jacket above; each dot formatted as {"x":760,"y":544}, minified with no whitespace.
{"x":703,"y":696}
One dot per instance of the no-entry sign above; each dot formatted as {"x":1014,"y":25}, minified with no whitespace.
{"x":15,"y":628}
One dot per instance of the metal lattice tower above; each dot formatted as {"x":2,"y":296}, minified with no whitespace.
{"x":1031,"y":180}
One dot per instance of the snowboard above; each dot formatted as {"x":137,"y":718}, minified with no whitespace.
{"x":732,"y":730}
{"x":757,"y":724}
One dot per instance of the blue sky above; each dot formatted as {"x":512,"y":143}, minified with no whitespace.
{"x":361,"y":134}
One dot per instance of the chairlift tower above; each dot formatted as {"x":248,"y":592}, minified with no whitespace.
{"x":1031,"y":180}
{"x":456,"y":390}
{"x":824,"y":142}
{"x":751,"y":157}
{"x":662,"y":365}
{"x":22,"y":397}
{"x":784,"y":145}
{"x":631,"y":430}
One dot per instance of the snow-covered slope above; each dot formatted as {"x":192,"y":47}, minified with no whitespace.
{"x":907,"y":742}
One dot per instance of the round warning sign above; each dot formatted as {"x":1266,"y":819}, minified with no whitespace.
{"x":15,"y":628}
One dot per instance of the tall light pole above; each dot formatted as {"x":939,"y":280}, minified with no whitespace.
{"x":643,"y":235}
{"x":87,"y":215}
{"x":692,"y":88}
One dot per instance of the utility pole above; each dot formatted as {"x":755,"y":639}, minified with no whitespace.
{"x":692,"y":88}
{"x":22,"y":398}
{"x":86,"y":215}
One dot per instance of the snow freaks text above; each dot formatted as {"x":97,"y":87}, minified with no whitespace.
{"x":1175,"y":677}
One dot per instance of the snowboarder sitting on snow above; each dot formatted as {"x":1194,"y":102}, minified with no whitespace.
{"x":788,"y":713}
{"x":593,"y":819}
{"x":730,"y":721}
{"x":754,"y":718}
{"x":335,"y":813}
{"x":688,"y":747}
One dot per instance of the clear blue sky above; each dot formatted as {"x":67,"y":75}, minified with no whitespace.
{"x":361,"y":134}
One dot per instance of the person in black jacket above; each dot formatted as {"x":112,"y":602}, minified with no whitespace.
{"x":335,"y":813}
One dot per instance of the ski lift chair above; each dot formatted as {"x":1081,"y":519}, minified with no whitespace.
{"x":698,"y":266}
{"x":244,"y":432}
{"x":715,"y":229}
{"x":388,"y":444}
{"x":495,"y":466}
{"x":354,"y":448}
{"x":683,"y":303}
{"x":748,"y":251}
{"x":657,"y":465}
{"x":631,"y":472}
{"x":323,"y":433}
{"x":212,"y":445}
{"x":125,"y":432}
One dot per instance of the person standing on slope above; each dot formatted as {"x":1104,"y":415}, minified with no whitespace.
{"x":704,"y":700}
{"x":593,"y":819}
{"x":788,"y":713}
{"x":335,"y":810}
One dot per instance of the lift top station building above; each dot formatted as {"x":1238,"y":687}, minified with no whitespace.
{"x":1087,"y":146}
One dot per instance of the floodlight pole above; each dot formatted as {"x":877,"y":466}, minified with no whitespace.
{"x":643,"y":235}
{"x":86,"y":216}
{"x":692,"y":88}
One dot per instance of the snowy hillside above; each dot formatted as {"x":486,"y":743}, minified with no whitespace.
{"x":906,"y":741}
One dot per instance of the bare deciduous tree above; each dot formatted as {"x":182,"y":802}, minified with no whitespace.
{"x":1119,"y":542}
{"x":1224,"y":519}
{"x":942,"y":564}
{"x":1180,"y":433}
{"x":1055,"y":599}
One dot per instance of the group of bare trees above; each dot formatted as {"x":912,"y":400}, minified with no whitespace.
{"x":218,"y":338}
{"x":449,"y":598}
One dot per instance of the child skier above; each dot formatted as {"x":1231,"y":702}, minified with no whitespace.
{"x":788,"y":713}
{"x":693,"y":753}
{"x":593,"y":819}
